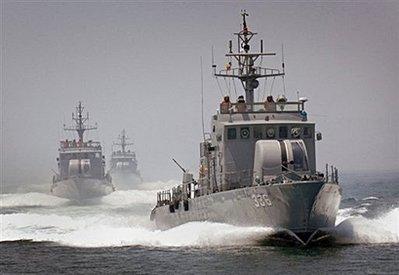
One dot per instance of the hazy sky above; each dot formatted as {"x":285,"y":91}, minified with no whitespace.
{"x":137,"y":66}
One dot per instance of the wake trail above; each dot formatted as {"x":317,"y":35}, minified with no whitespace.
{"x":101,"y":230}
{"x":30,"y":200}
{"x":122,"y":219}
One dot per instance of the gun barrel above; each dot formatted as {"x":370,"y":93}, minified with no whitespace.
{"x":184,"y":170}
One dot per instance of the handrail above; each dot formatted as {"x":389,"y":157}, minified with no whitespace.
{"x":245,"y":176}
{"x":261,"y":107}
{"x":333,"y":176}
{"x":257,"y":71}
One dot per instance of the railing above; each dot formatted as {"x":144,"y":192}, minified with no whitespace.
{"x":243,"y":178}
{"x":262,"y":107}
{"x":123,"y":154}
{"x":256,"y":71}
{"x":174,"y":195}
{"x":333,"y":175}
{"x":164,"y":197}
{"x":67,"y":145}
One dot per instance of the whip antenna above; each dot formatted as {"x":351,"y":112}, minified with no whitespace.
{"x":213,"y":61}
{"x":202,"y":100}
{"x":283,"y":66}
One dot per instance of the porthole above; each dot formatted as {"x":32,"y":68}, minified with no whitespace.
{"x":244,"y":132}
{"x":270,"y":133}
{"x":296,"y":132}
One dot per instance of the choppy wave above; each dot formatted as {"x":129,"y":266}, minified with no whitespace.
{"x":350,"y":212}
{"x":102,"y":230}
{"x":360,"y":230}
{"x":30,"y":200}
{"x":158,"y":185}
{"x":122,"y":219}
{"x":130,"y":197}
{"x":370,"y":198}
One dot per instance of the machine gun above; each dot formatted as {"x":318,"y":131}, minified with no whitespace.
{"x":188,"y":184}
{"x":181,"y":167}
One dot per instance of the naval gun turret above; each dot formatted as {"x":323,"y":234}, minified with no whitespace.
{"x":258,"y":165}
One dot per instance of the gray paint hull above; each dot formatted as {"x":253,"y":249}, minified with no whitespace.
{"x":300,"y":208}
{"x":82,"y":188}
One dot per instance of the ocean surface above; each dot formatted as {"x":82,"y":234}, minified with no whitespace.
{"x":45,"y":234}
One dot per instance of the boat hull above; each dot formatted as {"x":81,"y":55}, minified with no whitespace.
{"x":300,"y":208}
{"x":124,"y":180}
{"x":79,"y":189}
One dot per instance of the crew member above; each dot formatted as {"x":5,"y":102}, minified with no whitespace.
{"x":241,"y":105}
{"x":225,"y":105}
{"x":270,"y":105}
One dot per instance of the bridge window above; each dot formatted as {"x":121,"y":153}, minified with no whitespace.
{"x":283,"y":132}
{"x":258,"y":132}
{"x":231,"y":133}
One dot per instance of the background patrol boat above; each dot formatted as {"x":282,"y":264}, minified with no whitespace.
{"x":123,"y":164}
{"x":258,"y":167}
{"x":81,"y":164}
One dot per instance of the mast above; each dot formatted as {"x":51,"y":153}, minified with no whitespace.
{"x":247,"y":72}
{"x":80,"y":120}
{"x":123,"y":141}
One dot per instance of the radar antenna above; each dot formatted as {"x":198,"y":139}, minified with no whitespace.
{"x":247,"y":72}
{"x":80,"y":120}
{"x":123,"y":141}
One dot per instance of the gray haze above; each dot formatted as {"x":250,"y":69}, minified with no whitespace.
{"x":136,"y":66}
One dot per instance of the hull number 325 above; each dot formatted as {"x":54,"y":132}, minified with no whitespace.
{"x":261,"y":200}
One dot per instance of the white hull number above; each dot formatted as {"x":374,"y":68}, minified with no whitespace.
{"x":261,"y":200}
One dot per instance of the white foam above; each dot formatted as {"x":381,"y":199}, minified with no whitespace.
{"x":30,"y":199}
{"x":146,"y":193}
{"x":365,"y":204}
{"x":102,"y":230}
{"x":99,"y":225}
{"x":190,"y":234}
{"x":158,"y":185}
{"x":370,"y":198}
{"x":130,"y":197}
{"x":112,"y":223}
{"x":346,"y":213}
{"x":360,"y":230}
{"x":343,"y":214}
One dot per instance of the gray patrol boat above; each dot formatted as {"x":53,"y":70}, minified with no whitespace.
{"x":124,"y":171}
{"x":81,"y":164}
{"x":258,"y":165}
